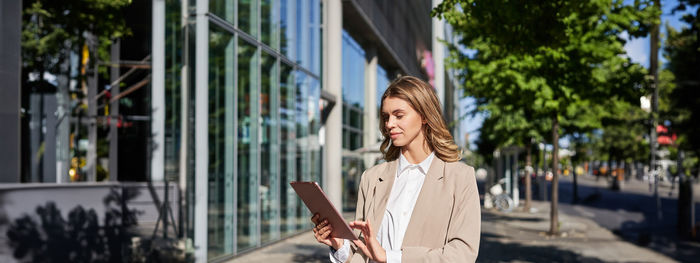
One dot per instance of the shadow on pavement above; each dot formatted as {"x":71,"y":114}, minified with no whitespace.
{"x":487,"y":216}
{"x":320,"y":253}
{"x":660,"y":236}
{"x":494,"y":251}
{"x":490,"y":250}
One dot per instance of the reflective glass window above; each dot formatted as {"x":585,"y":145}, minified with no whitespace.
{"x":269,"y":23}
{"x":248,"y":17}
{"x":309,"y":41}
{"x":353,"y":72}
{"x":302,"y":31}
{"x":382,"y":84}
{"x":68,"y":119}
{"x":353,"y":82}
{"x":314,"y":113}
{"x":225,"y":9}
{"x":247,"y":162}
{"x":353,"y":92}
{"x":353,"y":168}
{"x":174,"y":41}
{"x":269,"y":149}
{"x":302,"y":142}
{"x":287,"y":117}
{"x":221,"y":142}
{"x":69,"y":123}
{"x":288,"y":28}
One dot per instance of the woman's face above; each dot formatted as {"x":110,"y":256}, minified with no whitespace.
{"x":403,"y":123}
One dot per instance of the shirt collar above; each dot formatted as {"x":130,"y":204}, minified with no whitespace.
{"x":422,"y":166}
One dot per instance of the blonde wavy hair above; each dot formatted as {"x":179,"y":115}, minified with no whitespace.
{"x":421,"y":96}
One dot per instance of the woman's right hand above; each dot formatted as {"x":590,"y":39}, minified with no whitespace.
{"x":322,"y":231}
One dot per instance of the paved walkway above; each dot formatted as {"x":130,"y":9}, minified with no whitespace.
{"x":506,"y":237}
{"x":520,"y":237}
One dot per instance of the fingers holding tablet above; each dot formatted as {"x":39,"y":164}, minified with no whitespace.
{"x":322,"y":232}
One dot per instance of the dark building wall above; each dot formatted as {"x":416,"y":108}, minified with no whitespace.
{"x":10,"y":26}
{"x":134,"y":143}
{"x":400,"y":29}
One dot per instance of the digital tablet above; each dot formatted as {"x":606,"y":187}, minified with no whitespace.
{"x":317,"y":202}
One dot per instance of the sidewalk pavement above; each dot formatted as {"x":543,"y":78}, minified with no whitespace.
{"x":505,"y":237}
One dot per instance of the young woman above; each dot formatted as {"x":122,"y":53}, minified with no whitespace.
{"x":422,"y":205}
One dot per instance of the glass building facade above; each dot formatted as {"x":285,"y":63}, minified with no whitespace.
{"x":353,"y":89}
{"x":264,"y":120}
{"x":71,"y":106}
{"x":221,"y":98}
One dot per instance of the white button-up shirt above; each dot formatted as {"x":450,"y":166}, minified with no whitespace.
{"x":404,"y":193}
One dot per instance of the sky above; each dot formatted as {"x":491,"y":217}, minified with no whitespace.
{"x":637,"y":49}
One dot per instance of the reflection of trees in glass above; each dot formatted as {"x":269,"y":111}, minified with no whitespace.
{"x":247,"y":17}
{"x":219,"y":42}
{"x":223,"y":9}
{"x":286,"y":27}
{"x":221,"y":133}
{"x":302,"y":141}
{"x":53,"y":29}
{"x":268,"y":23}
{"x":288,"y":198}
{"x":174,"y":40}
{"x":268,"y":149}
{"x":247,"y":145}
{"x":62,"y":42}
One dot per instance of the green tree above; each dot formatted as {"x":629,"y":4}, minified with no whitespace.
{"x":679,"y":102}
{"x":511,"y":127}
{"x":682,"y":51}
{"x":560,"y":60}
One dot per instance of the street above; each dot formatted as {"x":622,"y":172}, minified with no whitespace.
{"x":631,"y":213}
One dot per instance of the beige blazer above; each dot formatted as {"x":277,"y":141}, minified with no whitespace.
{"x":446,"y":221}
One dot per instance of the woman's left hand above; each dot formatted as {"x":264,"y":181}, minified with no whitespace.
{"x":370,"y":247}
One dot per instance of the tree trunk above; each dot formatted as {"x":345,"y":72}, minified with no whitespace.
{"x":685,"y":206}
{"x":554,"y":213}
{"x":685,"y":201}
{"x":543,"y":179}
{"x":528,"y":178}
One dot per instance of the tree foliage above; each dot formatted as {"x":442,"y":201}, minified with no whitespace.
{"x":680,"y":95}
{"x":623,"y":138}
{"x":555,"y":57}
{"x":504,"y":128}
{"x":561,"y":61}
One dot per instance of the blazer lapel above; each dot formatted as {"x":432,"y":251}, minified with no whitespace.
{"x":421,"y":211}
{"x":382,"y":189}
